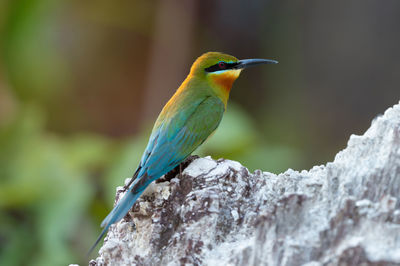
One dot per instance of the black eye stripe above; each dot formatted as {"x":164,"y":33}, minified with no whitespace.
{"x":217,"y":66}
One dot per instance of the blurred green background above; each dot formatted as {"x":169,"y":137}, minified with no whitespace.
{"x":81,"y":83}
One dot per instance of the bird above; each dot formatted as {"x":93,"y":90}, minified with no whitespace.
{"x":191,"y":115}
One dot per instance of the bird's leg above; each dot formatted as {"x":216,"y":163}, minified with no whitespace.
{"x":178,"y":169}
{"x":186,"y":163}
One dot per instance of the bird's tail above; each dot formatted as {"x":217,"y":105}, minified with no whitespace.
{"x":123,"y":206}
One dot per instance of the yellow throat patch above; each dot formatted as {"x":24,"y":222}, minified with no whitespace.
{"x":224,"y":80}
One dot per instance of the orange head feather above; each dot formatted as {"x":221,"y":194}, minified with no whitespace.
{"x":215,"y":73}
{"x":213,"y":67}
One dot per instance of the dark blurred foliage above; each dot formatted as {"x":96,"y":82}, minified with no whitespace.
{"x":82,"y":81}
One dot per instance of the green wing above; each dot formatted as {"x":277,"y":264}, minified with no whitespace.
{"x":175,"y":139}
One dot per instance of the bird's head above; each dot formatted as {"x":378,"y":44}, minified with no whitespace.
{"x":221,"y":70}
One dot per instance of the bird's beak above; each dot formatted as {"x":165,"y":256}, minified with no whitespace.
{"x":252,"y":62}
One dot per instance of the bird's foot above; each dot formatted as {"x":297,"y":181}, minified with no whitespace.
{"x":178,"y":169}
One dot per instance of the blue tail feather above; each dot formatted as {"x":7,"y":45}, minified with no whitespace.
{"x":98,"y":240}
{"x":123,"y":206}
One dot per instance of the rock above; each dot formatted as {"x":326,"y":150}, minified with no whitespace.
{"x":346,"y":212}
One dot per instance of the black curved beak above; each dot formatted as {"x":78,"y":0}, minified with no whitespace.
{"x":253,"y":62}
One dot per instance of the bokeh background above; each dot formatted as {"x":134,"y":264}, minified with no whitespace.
{"x":81,"y":83}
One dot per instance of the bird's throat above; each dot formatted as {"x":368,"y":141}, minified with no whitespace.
{"x":224,"y":81}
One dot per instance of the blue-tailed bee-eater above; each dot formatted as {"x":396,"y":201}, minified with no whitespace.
{"x":189,"y":117}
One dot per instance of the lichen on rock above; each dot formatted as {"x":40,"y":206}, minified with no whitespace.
{"x":216,"y":212}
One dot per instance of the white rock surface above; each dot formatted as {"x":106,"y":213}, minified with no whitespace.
{"x":217,"y":213}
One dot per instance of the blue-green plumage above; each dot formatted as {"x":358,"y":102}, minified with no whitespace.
{"x":186,"y":121}
{"x":176,"y":137}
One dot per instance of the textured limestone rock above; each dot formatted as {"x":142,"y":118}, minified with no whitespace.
{"x":346,"y":212}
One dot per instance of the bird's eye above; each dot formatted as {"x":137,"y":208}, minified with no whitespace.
{"x":222,"y":65}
